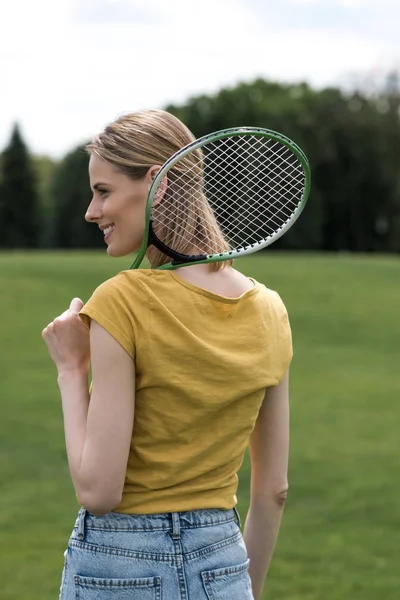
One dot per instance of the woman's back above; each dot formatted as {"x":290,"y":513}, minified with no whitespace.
{"x":203,"y":362}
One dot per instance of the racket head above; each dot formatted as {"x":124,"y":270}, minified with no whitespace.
{"x":256,"y":182}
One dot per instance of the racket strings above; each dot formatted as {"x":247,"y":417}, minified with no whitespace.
{"x":258,"y":188}
{"x":253,"y":209}
{"x":252,"y":184}
{"x":274,"y":178}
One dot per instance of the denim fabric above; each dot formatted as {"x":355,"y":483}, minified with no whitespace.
{"x":194,"y":555}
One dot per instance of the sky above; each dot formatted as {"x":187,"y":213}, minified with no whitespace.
{"x":68,"y":67}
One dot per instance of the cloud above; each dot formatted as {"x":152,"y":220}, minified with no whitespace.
{"x":116,"y":11}
{"x":69,"y":67}
{"x":362,"y":17}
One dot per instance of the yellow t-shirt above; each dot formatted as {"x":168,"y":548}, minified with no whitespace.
{"x":203,"y":363}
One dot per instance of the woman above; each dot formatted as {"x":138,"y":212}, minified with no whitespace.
{"x":189,"y":367}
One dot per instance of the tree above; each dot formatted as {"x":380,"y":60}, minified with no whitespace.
{"x":44,"y":168}
{"x":71,"y":195}
{"x":352,"y":142}
{"x":19,"y":202}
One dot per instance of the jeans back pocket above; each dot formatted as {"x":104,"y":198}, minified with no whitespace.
{"x":228,"y":583}
{"x":94,"y":588}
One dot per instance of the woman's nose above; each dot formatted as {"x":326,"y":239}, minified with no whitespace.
{"x":93,"y":212}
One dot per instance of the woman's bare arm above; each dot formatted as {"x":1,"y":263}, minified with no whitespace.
{"x":269,"y":452}
{"x":98,"y":433}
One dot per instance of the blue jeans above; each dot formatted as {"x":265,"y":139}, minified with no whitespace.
{"x":194,"y":555}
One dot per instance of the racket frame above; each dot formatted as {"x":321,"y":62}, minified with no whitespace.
{"x":231,"y":254}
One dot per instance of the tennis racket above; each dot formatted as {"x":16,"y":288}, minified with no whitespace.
{"x":252,"y":183}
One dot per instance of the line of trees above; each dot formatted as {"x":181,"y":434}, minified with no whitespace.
{"x":352,"y":141}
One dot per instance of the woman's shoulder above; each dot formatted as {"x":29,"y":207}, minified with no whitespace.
{"x":128,"y":277}
{"x":266,"y":291}
{"x":127,"y":282}
{"x":271,"y":297}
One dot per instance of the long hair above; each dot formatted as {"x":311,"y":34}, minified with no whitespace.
{"x":183,"y":219}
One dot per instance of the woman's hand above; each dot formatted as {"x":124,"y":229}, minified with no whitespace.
{"x":68,"y":340}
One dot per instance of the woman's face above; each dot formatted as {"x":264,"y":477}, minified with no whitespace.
{"x":118,"y":206}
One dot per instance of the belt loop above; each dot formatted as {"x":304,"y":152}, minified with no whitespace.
{"x":237,"y":516}
{"x":81,"y":523}
{"x":176,"y":526}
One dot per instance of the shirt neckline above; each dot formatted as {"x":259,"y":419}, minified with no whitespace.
{"x":208,"y":294}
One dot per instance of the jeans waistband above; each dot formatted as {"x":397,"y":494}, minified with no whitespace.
{"x":174,"y":521}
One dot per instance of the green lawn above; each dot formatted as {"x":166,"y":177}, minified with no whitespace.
{"x":340,"y":535}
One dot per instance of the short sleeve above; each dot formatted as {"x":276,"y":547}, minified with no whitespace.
{"x":112,"y":307}
{"x":283,"y":336}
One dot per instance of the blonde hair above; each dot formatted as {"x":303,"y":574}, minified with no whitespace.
{"x":135,"y":142}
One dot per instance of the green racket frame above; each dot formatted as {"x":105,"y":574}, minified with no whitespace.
{"x":232,"y":254}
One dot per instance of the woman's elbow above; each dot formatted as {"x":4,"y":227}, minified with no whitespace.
{"x":281,"y":496}
{"x":98,"y":504}
{"x":270,"y":494}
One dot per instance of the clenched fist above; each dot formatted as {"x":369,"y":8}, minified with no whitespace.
{"x":68,"y":340}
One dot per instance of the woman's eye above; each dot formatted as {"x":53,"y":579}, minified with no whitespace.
{"x":103,"y":192}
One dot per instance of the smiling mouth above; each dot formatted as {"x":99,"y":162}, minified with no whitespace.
{"x":108,"y":231}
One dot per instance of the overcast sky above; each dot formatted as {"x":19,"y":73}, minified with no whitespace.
{"x":67,"y":67}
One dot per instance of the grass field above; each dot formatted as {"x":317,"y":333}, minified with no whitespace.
{"x":340,"y":535}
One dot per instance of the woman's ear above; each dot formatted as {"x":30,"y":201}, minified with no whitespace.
{"x":152,"y":172}
{"x":162,"y":186}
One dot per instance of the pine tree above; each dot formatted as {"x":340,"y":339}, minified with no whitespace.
{"x":19,"y":202}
